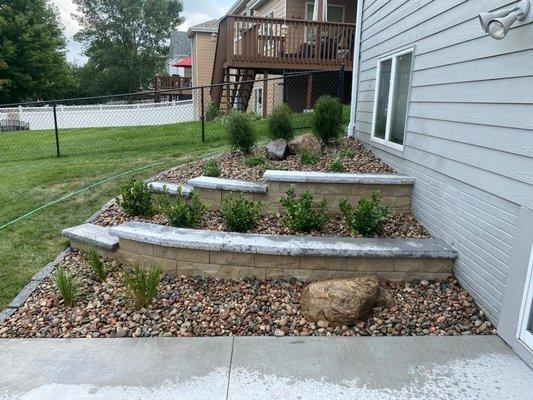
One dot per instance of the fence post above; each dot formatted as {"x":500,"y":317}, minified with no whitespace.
{"x":54,"y":106}
{"x":202,"y":112}
{"x":285,"y":97}
{"x":341,"y":84}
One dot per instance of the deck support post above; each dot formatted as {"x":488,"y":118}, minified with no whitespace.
{"x":309,"y":97}
{"x":265,"y":94}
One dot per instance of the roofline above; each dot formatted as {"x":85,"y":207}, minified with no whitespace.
{"x":192,"y":30}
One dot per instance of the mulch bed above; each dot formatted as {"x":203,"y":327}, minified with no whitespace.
{"x":399,"y":224}
{"x":232,"y":165}
{"x":219,"y":307}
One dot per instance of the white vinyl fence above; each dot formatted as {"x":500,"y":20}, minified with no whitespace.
{"x":99,"y":116}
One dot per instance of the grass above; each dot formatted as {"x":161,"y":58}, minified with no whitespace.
{"x":90,"y":155}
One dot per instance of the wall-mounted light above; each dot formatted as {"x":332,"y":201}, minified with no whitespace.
{"x":498,"y":23}
{"x":213,"y":37}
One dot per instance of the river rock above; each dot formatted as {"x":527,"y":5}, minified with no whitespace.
{"x":277,"y":149}
{"x":305,"y":143}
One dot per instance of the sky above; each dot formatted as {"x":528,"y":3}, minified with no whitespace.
{"x":194,"y":12}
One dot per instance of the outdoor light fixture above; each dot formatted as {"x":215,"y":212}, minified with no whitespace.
{"x":213,"y":37}
{"x":498,"y":23}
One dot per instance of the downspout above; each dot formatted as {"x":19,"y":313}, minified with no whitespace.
{"x":355,"y":73}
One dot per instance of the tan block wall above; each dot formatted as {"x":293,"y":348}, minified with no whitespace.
{"x":397,"y":197}
{"x":264,"y":266}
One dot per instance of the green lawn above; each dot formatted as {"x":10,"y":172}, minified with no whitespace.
{"x":31,"y":176}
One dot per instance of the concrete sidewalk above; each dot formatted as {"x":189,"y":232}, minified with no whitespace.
{"x":263,"y":368}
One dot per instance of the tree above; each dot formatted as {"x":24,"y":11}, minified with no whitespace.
{"x":33,"y":63}
{"x":126,"y":41}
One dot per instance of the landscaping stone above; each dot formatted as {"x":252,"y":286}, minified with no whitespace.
{"x":277,"y":149}
{"x":171,"y":188}
{"x":339,"y":301}
{"x":93,"y":235}
{"x":206,"y":182}
{"x":336,"y":177}
{"x":305,"y":143}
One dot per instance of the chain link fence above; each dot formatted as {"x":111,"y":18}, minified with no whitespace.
{"x":178,"y":117}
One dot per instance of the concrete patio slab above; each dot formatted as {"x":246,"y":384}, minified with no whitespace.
{"x":378,"y":368}
{"x":161,"y":368}
{"x":428,"y":368}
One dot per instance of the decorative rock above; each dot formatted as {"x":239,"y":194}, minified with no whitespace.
{"x":279,"y":333}
{"x":277,"y":149}
{"x":306,"y":142}
{"x":340,"y":301}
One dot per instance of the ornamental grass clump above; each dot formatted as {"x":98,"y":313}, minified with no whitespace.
{"x":326,"y":119}
{"x":308,"y":157}
{"x":181,"y":214}
{"x":280,"y":123}
{"x":240,"y":215}
{"x":368,"y":217}
{"x":141,"y":285}
{"x":336,"y":166}
{"x":302,"y":214}
{"x":211,"y":168}
{"x":254,"y":161}
{"x":96,"y":263}
{"x":136,"y":199}
{"x":67,"y":285}
{"x":241,"y":132}
{"x":212,"y":112}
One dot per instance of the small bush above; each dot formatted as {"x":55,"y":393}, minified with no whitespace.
{"x":183,"y":215}
{"x":280,"y":124}
{"x":212,"y":112}
{"x":141,"y":285}
{"x":327,"y":119}
{"x":67,"y":285}
{"x":308,"y":158}
{"x":240,"y":214}
{"x":241,"y":132}
{"x":347,"y":153}
{"x":211,"y":168}
{"x":336,"y":166}
{"x":96,"y":263}
{"x":254,"y":161}
{"x":367,"y":217}
{"x":302,"y":214}
{"x":136,"y":199}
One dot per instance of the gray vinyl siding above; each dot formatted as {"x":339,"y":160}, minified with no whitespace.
{"x":469,"y":137}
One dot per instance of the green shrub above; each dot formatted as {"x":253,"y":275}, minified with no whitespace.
{"x":212,"y":112}
{"x":240,"y":214}
{"x":347,"y":153}
{"x":136,"y":199}
{"x":141,"y":285}
{"x":280,"y":124}
{"x":336,"y":166}
{"x":96,"y":263}
{"x":254,"y":161}
{"x":327,"y":119}
{"x":302,"y":214}
{"x":308,"y":157}
{"x":180,"y":214}
{"x":67,"y":285}
{"x":211,"y":168}
{"x":241,"y":132}
{"x":367,"y":217}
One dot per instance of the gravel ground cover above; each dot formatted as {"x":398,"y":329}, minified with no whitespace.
{"x":398,"y":225}
{"x":219,"y":307}
{"x":354,"y":156}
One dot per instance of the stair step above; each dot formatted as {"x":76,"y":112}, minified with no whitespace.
{"x":92,"y":235}
{"x":172,"y":188}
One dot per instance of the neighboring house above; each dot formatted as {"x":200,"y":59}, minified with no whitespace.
{"x":440,"y":100}
{"x":265,"y":38}
{"x":179,"y":49}
{"x":203,"y":39}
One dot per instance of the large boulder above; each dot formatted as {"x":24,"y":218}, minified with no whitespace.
{"x":305,"y":143}
{"x":277,"y":149}
{"x":340,"y":301}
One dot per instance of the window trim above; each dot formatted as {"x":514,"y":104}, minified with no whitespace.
{"x":393,"y":57}
{"x":526,"y":310}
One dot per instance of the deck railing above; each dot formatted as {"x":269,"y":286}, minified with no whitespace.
{"x":280,"y":43}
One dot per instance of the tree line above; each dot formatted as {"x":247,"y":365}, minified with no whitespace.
{"x":125,"y":41}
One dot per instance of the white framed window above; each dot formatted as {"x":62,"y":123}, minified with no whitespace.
{"x":391,"y":99}
{"x":334,"y":13}
{"x":525,"y":322}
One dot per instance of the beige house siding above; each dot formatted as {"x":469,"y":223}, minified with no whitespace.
{"x":273,"y":96}
{"x":203,"y":56}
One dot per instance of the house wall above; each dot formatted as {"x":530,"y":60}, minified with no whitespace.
{"x":203,"y":57}
{"x":469,"y":137}
{"x":296,"y":9}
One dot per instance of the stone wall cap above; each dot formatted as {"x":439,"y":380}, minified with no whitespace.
{"x":336,"y":177}
{"x":166,"y":236}
{"x":206,"y":182}
{"x":92,"y":234}
{"x":172,"y":188}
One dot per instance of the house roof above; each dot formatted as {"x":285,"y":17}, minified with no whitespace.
{"x":180,"y":45}
{"x":208,"y":26}
{"x":184,"y":62}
